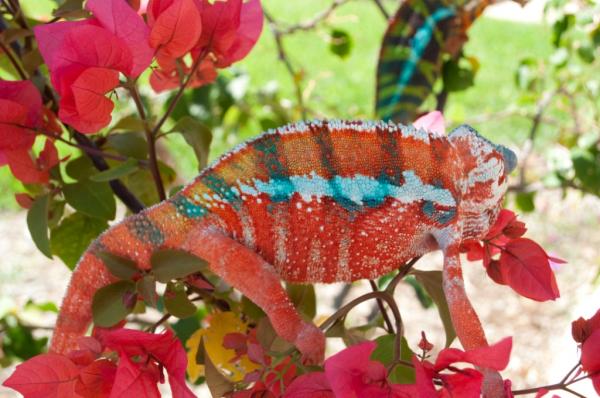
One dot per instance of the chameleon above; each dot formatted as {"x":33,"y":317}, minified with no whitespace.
{"x":419,"y":37}
{"x":320,"y":201}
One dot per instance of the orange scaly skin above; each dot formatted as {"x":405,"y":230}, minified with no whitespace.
{"x":325,"y":201}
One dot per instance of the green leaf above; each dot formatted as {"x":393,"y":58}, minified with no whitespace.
{"x":525,"y":202}
{"x":218,"y":384}
{"x":92,"y":198}
{"x":457,"y":75}
{"x":252,"y":310}
{"x":304,"y":299}
{"x":169,"y":264}
{"x":432,"y":282}
{"x":197,"y":135}
{"x":586,"y":163}
{"x":55,"y":212}
{"x":525,"y":76}
{"x":112,"y":303}
{"x":80,"y":168}
{"x":185,"y":328}
{"x":45,"y":306}
{"x":560,"y":27}
{"x":132,"y":145}
{"x":37,"y":222}
{"x":121,"y":267}
{"x":68,"y":7}
{"x":338,"y":329}
{"x":146,"y":288}
{"x":142,"y":185}
{"x":114,"y":173}
{"x":586,"y":53}
{"x":129,"y":123}
{"x":384,"y":353}
{"x":560,"y":57}
{"x":268,"y":339}
{"x":18,"y":340}
{"x":73,"y":236}
{"x":353,"y":336}
{"x":340,"y":43}
{"x":177,"y":302}
{"x":32,"y":60}
{"x":421,"y":293}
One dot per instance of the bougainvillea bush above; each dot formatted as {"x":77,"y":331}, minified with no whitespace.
{"x":81,"y":129}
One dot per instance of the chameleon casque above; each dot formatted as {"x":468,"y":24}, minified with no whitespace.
{"x":321,"y":201}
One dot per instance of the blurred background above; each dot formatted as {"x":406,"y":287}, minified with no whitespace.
{"x":528,"y":77}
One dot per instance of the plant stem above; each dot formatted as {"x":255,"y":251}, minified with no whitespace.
{"x":373,"y":295}
{"x":150,"y":139}
{"x":13,"y":60}
{"x":117,"y":186}
{"x":382,"y":9}
{"x":179,"y":94}
{"x":286,"y":61}
{"x":404,"y":270}
{"x":570,"y":372}
{"x":156,"y":324}
{"x":386,"y":319}
{"x":90,"y":150}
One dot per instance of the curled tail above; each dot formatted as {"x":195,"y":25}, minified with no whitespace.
{"x":135,"y":238}
{"x":75,"y":313}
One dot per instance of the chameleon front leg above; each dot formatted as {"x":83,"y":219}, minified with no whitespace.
{"x":249,"y":273}
{"x":465,"y":320}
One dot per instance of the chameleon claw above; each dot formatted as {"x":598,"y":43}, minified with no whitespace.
{"x":311,"y":343}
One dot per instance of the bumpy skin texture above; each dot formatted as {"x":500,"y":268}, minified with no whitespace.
{"x":324,"y":201}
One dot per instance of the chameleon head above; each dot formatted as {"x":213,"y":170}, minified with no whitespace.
{"x":485,"y":167}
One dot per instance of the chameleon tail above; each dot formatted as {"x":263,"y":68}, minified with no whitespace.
{"x":135,"y":238}
{"x":75,"y":313}
{"x":465,"y":320}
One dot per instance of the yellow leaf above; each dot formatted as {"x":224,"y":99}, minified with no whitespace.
{"x":221,"y":324}
{"x":194,"y":370}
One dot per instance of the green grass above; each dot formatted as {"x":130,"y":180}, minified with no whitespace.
{"x":499,"y":47}
{"x":344,"y":88}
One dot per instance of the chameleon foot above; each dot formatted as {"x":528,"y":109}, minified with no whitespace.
{"x":311,"y":343}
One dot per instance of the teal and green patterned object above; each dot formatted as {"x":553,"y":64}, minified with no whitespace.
{"x":413,"y":50}
{"x":410,"y":57}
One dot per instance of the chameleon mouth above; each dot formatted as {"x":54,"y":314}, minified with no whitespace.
{"x":510,"y":159}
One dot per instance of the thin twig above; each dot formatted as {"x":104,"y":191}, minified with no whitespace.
{"x":150,"y":139}
{"x":117,"y":186}
{"x":541,"y":107}
{"x":567,"y":389}
{"x":312,"y":22}
{"x":90,"y":150}
{"x":179,"y":94}
{"x":570,"y":372}
{"x":388,"y":324}
{"x":13,"y":60}
{"x":373,"y":295}
{"x":281,"y":53}
{"x":562,"y":385}
{"x":573,"y":109}
{"x":403,"y":271}
{"x":156,"y":324}
{"x":381,"y":8}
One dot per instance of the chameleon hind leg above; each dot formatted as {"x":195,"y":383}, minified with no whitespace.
{"x":249,"y":273}
{"x":465,"y":320}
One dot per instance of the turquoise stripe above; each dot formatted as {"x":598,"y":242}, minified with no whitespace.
{"x":351,"y":192}
{"x":419,"y":43}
